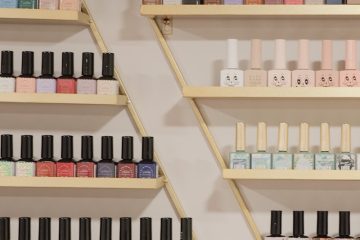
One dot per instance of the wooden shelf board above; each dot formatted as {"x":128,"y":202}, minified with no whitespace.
{"x":270,"y":174}
{"x":271,"y":93}
{"x":81,"y":183}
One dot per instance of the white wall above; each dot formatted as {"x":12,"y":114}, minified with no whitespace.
{"x":199,"y":46}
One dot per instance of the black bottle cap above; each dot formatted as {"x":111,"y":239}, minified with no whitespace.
{"x":344,"y":224}
{"x":64,"y":228}
{"x":125,"y":228}
{"x":298,"y":223}
{"x":166,"y":229}
{"x":47,"y":64}
{"x":193,"y":2}
{"x":27,"y":66}
{"x":145,"y":229}
{"x":24,"y":228}
{"x":108,"y":65}
{"x":7,"y":62}
{"x":67,"y":63}
{"x":87,"y":147}
{"x":4,"y":228}
{"x":67,"y":147}
{"x":85,"y":229}
{"x":6,"y":146}
{"x":26,"y":147}
{"x":148,"y":148}
{"x":186,"y":229}
{"x":107,"y":152}
{"x":88,"y":64}
{"x":276,"y":217}
{"x":322,"y":223}
{"x":127,"y":152}
{"x":44,"y":228}
{"x":105,"y":228}
{"x":47,"y":147}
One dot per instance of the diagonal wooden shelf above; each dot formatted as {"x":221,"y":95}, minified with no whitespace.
{"x":81,"y":183}
{"x":271,"y":93}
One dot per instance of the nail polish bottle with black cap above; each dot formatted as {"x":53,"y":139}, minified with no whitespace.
{"x":166,"y":229}
{"x":105,"y":228}
{"x":4,"y":228}
{"x":66,"y":166}
{"x":276,"y":226}
{"x":344,"y":225}
{"x":86,"y":166}
{"x":145,"y":228}
{"x":127,"y":168}
{"x":107,"y":84}
{"x":186,"y":229}
{"x":67,"y":83}
{"x":322,"y":226}
{"x":147,"y":168}
{"x":85,"y":228}
{"x":46,"y":166}
{"x":25,"y":167}
{"x":86,"y":84}
{"x":44,"y":228}
{"x":193,"y":2}
{"x":26,"y":82}
{"x":24,"y":228}
{"x":106,"y":166}
{"x":298,"y":226}
{"x":125,"y":228}
{"x":7,"y":164}
{"x":64,"y":228}
{"x":46,"y":83}
{"x":7,"y":80}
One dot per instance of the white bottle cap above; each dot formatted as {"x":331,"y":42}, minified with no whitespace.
{"x":345,"y":138}
{"x":232,"y":51}
{"x":325,"y":137}
{"x":240,"y":136}
{"x":256,"y":51}
{"x":280,"y":54}
{"x":304,"y":137}
{"x":283,"y":137}
{"x":261,"y":137}
{"x":351,"y":55}
{"x":303,"y":54}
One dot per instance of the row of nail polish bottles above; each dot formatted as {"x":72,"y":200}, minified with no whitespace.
{"x":73,"y":5}
{"x":67,"y":83}
{"x":252,"y":2}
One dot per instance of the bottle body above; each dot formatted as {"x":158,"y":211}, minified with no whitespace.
{"x":25,"y":84}
{"x":279,"y":78}
{"x":65,"y":168}
{"x":45,"y":168}
{"x":255,"y":78}
{"x":72,"y":5}
{"x":25,"y":168}
{"x":150,"y":2}
{"x":240,"y":160}
{"x":32,"y":4}
{"x":346,"y":161}
{"x":49,"y":4}
{"x":282,"y":160}
{"x":327,"y":78}
{"x":105,"y":169}
{"x":324,"y":161}
{"x":231,"y":78}
{"x":303,"y":78}
{"x":147,"y":169}
{"x":127,"y":169}
{"x":349,"y":78}
{"x":46,"y":84}
{"x":304,"y":161}
{"x":168,"y":2}
{"x":107,"y":86}
{"x":86,"y":86}
{"x":85,"y":169}
{"x":261,"y":160}
{"x":7,"y":84}
{"x":66,"y":84}
{"x":8,"y":4}
{"x":7,"y":168}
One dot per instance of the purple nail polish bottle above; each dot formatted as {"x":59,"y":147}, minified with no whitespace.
{"x":106,"y":166}
{"x":147,"y":168}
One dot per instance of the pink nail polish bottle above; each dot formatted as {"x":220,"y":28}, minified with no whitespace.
{"x":349,"y":77}
{"x":255,"y":76}
{"x":26,"y":83}
{"x":86,"y":84}
{"x":72,"y":5}
{"x":49,"y":4}
{"x":293,"y":2}
{"x":280,"y":76}
{"x":67,"y":83}
{"x":327,"y":77}
{"x":303,"y":77}
{"x":46,"y":83}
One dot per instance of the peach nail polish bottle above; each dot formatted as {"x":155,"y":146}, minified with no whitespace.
{"x":255,"y":76}
{"x":280,"y":76}
{"x":26,"y":83}
{"x":303,"y":77}
{"x":293,"y":2}
{"x":72,"y":5}
{"x":350,"y":76}
{"x":254,"y":2}
{"x":49,"y":4}
{"x":152,"y":2}
{"x":327,"y":77}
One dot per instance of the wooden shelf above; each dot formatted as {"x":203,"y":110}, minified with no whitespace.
{"x":16,"y":15}
{"x":271,"y":93}
{"x":349,"y":11}
{"x":321,"y":175}
{"x":81,"y":183}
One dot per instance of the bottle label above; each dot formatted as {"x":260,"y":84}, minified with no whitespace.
{"x":45,"y":169}
{"x":7,"y":169}
{"x":239,"y":160}
{"x":106,"y":170}
{"x":86,"y":86}
{"x":25,"y":169}
{"x":65,"y":169}
{"x":261,"y":161}
{"x":282,"y":161}
{"x":107,"y":87}
{"x":8,"y":4}
{"x":74,"y":5}
{"x":27,"y":3}
{"x":85,"y":169}
{"x":46,"y":85}
{"x":49,"y":4}
{"x":147,"y":170}
{"x":345,"y":161}
{"x":66,"y":86}
{"x":304,"y":161}
{"x":325,"y":161}
{"x":126,"y":170}
{"x":25,"y":85}
{"x":7,"y":84}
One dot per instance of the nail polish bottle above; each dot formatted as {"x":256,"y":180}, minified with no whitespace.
{"x":46,"y":83}
{"x":147,"y":168}
{"x":304,"y":160}
{"x":349,"y":77}
{"x":314,"y":2}
{"x":127,"y":168}
{"x":24,"y":228}
{"x":166,"y":229}
{"x":85,"y":228}
{"x":334,"y":2}
{"x":261,"y":159}
{"x":26,"y":82}
{"x":25,"y":167}
{"x":7,"y":164}
{"x":232,"y":76}
{"x":254,"y":2}
{"x":46,"y":167}
{"x":186,"y":229}
{"x":293,"y":2}
{"x":45,"y":228}
{"x":64,"y":228}
{"x":240,"y":159}
{"x":235,"y":2}
{"x":86,"y":166}
{"x":298,"y":226}
{"x":169,"y":2}
{"x":352,"y":2}
{"x":106,"y":166}
{"x":303,"y":77}
{"x":32,"y":4}
{"x":255,"y":76}
{"x":86,"y":84}
{"x":107,"y":84}
{"x":322,"y":226}
{"x":325,"y":160}
{"x":105,"y":228}
{"x":215,"y":2}
{"x":7,"y":80}
{"x":282,"y":159}
{"x":66,"y":166}
{"x":5,"y":228}
{"x":192,"y":2}
{"x":327,"y":77}
{"x":145,"y":228}
{"x":49,"y":4}
{"x":276,"y":225}
{"x":67,"y":83}
{"x":280,"y":76}
{"x":72,"y":5}
{"x":151,"y":2}
{"x":346,"y":160}
{"x":9,"y":4}
{"x":125,"y":228}
{"x":344,"y":226}
{"x":274,"y":2}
